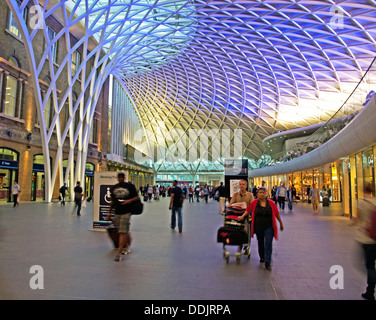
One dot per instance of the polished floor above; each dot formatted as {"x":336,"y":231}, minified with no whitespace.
{"x":78,"y":263}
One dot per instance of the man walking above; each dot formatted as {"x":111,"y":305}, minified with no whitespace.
{"x":281,"y":196}
{"x":123,"y":195}
{"x":314,"y":195}
{"x":176,"y":206}
{"x":16,"y":189}
{"x":78,"y":194}
{"x":62,"y":190}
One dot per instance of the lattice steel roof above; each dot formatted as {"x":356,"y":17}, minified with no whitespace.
{"x":261,"y":67}
{"x":258,"y":66}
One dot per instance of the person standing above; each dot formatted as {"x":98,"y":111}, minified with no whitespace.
{"x":190,"y":193}
{"x":290,"y":197}
{"x":264,"y":214}
{"x":308,"y":194}
{"x":78,"y":194}
{"x":242,"y":196}
{"x":281,"y":196}
{"x":314,"y":196}
{"x":62,"y":191}
{"x":176,"y":206}
{"x":205,"y":192}
{"x":150,"y":192}
{"x":366,"y":209}
{"x":123,"y":195}
{"x":197,"y":193}
{"x":16,"y":190}
{"x":222,"y":197}
{"x":156,"y":193}
{"x":273,"y":193}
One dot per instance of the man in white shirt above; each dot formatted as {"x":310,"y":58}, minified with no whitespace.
{"x":16,"y":189}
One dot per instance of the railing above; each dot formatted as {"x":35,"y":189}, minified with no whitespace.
{"x":360,"y":96}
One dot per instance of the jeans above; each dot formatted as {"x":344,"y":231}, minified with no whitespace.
{"x":177,"y":210}
{"x":198,"y":197}
{"x":265,"y":240}
{"x":281,"y":201}
{"x":290,"y":202}
{"x":370,"y":259}
{"x":78,"y":205}
{"x":15,"y":197}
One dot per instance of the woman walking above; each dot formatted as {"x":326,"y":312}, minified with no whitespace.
{"x":264,"y":223}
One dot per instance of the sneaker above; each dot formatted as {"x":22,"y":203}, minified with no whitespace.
{"x":118,"y":257}
{"x":126,"y":251}
{"x":267,"y":266}
{"x":368,"y":296}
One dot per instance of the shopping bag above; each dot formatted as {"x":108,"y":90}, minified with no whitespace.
{"x":83,"y":205}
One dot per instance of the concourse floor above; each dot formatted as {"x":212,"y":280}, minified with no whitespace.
{"x":78,"y":263}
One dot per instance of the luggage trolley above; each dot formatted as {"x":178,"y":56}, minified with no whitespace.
{"x":235,"y":233}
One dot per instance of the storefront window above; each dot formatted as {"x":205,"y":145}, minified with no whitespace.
{"x":368,"y":166}
{"x":8,"y":172}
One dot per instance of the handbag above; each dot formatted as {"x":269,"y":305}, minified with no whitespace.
{"x":83,"y":205}
{"x":137,"y":208}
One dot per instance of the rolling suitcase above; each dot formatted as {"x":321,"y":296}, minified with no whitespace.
{"x":146,"y":197}
{"x":325,"y":202}
{"x":232,"y":236}
{"x":114,"y":235}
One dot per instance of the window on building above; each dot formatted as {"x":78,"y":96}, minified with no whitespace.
{"x":76,"y":61}
{"x":13,"y":94}
{"x":51,"y":36}
{"x":12,"y":25}
{"x":94,"y":131}
{"x":49,"y":108}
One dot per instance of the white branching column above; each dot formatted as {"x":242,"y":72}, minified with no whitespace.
{"x":116,"y":38}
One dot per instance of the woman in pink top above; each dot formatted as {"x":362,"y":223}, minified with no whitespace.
{"x":264,"y":223}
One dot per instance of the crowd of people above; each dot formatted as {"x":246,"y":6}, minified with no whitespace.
{"x":323,"y":135}
{"x":262,"y":204}
{"x":190,"y":192}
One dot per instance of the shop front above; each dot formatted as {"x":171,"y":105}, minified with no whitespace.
{"x":8,"y":172}
{"x":89,"y":179}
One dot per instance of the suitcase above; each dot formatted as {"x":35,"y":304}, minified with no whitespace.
{"x":146,"y":198}
{"x":114,"y":235}
{"x":325,"y":202}
{"x":232,"y":236}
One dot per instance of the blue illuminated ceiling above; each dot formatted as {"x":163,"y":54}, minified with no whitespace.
{"x":262,"y":67}
{"x":259,"y":66}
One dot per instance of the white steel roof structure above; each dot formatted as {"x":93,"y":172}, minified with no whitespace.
{"x":255,"y":66}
